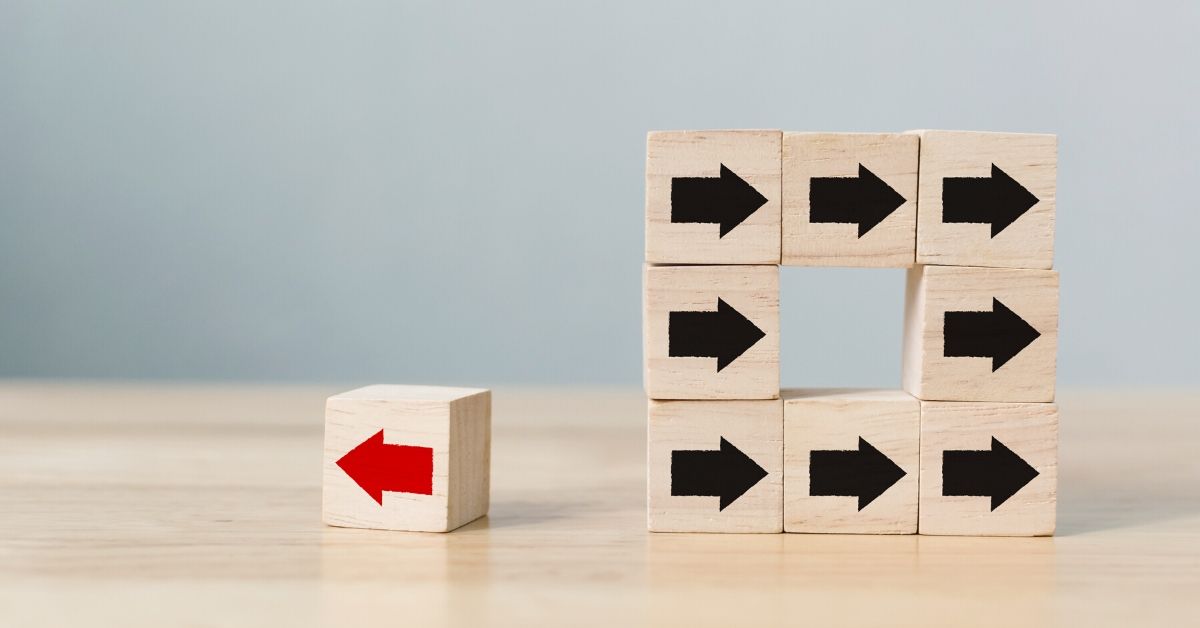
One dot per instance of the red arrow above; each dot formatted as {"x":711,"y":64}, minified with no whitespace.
{"x":377,"y":467}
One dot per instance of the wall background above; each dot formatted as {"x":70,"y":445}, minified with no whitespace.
{"x":452,"y":192}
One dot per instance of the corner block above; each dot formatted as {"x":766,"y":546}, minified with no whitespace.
{"x":713,"y":197}
{"x":987,"y":199}
{"x":988,"y":469}
{"x":715,"y":466}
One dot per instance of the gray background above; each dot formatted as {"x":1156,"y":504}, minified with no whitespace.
{"x":442,"y":192}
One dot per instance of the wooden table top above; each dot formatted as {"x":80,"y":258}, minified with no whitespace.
{"x":200,"y":505}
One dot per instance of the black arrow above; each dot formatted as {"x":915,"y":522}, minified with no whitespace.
{"x":865,"y":473}
{"x":864,"y":199}
{"x":724,"y":334}
{"x":726,"y":200}
{"x":726,"y":473}
{"x":998,"y":200}
{"x":999,"y":334}
{"x":998,"y":473}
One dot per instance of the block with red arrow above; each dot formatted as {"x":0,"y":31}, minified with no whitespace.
{"x":407,"y":457}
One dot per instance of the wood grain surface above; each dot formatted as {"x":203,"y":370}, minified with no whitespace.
{"x":137,"y":505}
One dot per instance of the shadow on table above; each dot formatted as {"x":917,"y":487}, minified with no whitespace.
{"x":1097,"y":508}
{"x":1122,"y":495}
{"x":526,"y":513}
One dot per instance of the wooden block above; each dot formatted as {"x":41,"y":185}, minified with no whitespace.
{"x":715,"y":466}
{"x":712,"y":197}
{"x":712,"y":332}
{"x":851,"y":461}
{"x":407,"y":457}
{"x":987,"y":199}
{"x":980,"y":334}
{"x":849,"y":199}
{"x":988,"y":469}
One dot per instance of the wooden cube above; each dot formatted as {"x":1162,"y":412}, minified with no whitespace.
{"x":407,"y":457}
{"x":711,"y":332}
{"x":849,"y":199}
{"x":987,"y":199}
{"x":988,"y":469}
{"x":715,"y":466}
{"x":851,"y":461}
{"x":712,"y":197}
{"x":980,"y":334}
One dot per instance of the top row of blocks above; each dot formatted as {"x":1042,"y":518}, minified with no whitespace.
{"x":947,"y":198}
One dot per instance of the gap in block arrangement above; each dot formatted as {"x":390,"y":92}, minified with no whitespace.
{"x":968,"y":446}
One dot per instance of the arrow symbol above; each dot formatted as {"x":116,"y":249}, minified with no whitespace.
{"x":726,"y":473}
{"x":865,"y":473}
{"x":724,"y":334}
{"x":999,"y":334}
{"x":998,"y":473}
{"x":998,"y":200}
{"x":377,"y":467}
{"x":864,"y":199}
{"x":726,"y":200}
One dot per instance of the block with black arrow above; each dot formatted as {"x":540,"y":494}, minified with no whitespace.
{"x":988,"y":468}
{"x":849,"y":199}
{"x":713,"y":197}
{"x":851,"y":460}
{"x":987,"y":199}
{"x":981,"y":334}
{"x":711,"y":332}
{"x":715,"y":466}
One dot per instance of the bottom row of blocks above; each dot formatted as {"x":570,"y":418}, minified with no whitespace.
{"x":852,"y":461}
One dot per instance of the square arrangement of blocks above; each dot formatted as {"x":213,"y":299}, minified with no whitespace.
{"x":412,"y":458}
{"x":969,"y":446}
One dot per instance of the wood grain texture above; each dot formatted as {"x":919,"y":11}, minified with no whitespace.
{"x":1030,"y":159}
{"x":932,"y":291}
{"x":890,"y":156}
{"x":752,"y":155}
{"x":1030,"y":430}
{"x":835,"y":419}
{"x":135,"y":505}
{"x":751,"y":290}
{"x":454,"y":422}
{"x":754,"y":427}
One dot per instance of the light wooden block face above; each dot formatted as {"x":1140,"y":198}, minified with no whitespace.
{"x":407,"y":457}
{"x":711,"y":332}
{"x":988,"y":469}
{"x":980,"y":334}
{"x":849,"y":199}
{"x":851,"y":461}
{"x":987,"y":199}
{"x":712,"y":197}
{"x":715,"y":466}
